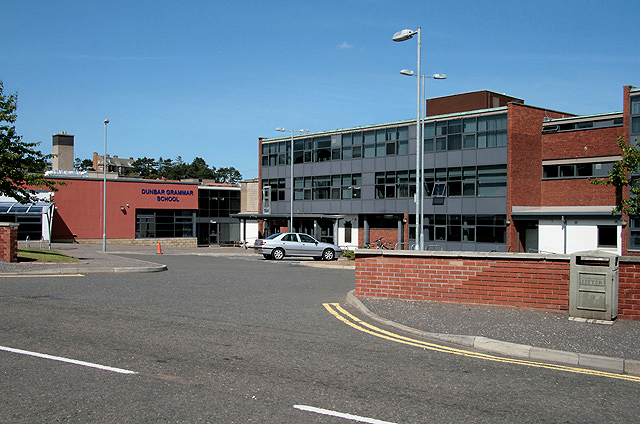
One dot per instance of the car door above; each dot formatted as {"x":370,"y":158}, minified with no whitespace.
{"x":309,"y":246}
{"x":291,"y":244}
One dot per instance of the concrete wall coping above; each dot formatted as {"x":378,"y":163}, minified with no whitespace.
{"x":476,"y":255}
{"x":9,"y":224}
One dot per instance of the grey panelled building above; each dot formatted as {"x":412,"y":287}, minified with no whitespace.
{"x":354,"y":185}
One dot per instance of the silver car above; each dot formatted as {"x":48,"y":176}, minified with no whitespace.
{"x":279,"y":245}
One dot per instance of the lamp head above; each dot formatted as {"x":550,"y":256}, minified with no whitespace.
{"x":439,"y":76}
{"x":280,"y":129}
{"x":404,"y":35}
{"x":106,"y":121}
{"x":408,"y":72}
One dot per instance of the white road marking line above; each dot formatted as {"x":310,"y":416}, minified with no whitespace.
{"x":70,"y":361}
{"x":340,"y":415}
{"x":39,"y":275}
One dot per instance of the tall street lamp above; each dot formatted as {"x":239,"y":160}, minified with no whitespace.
{"x":104,"y":190}
{"x":419,"y":163}
{"x":400,"y":36}
{"x":291,"y":163}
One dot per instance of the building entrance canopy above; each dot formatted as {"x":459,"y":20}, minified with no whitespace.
{"x":34,"y":218}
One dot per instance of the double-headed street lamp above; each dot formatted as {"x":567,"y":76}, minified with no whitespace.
{"x":291,"y":160}
{"x":399,"y":36}
{"x":420,"y":149}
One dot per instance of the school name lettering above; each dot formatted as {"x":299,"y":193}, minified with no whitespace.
{"x":170,"y":195}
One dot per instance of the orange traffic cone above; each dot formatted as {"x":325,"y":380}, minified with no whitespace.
{"x":159,"y":251}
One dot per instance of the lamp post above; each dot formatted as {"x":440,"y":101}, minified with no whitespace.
{"x":400,"y":36}
{"x":291,"y":160}
{"x":420,"y":167}
{"x":104,"y":190}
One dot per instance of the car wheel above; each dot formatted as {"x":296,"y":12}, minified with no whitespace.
{"x":267,"y":256}
{"x":328,"y":254}
{"x":277,"y":254}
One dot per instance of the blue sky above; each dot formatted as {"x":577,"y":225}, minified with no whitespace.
{"x":207,"y":78}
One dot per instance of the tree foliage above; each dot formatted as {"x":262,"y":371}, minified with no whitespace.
{"x":624,"y":175}
{"x":178,"y":169}
{"x":22,"y":165}
{"x":83,"y":165}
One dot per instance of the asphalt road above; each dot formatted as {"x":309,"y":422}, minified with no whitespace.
{"x":246,"y":340}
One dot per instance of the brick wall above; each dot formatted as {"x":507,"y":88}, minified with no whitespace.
{"x":513,"y":280}
{"x":629,"y":290}
{"x":8,"y":242}
{"x":576,"y":192}
{"x":591,"y":142}
{"x":390,"y":235}
{"x":524,"y":167}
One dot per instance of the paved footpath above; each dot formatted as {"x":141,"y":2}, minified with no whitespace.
{"x":532,"y":335}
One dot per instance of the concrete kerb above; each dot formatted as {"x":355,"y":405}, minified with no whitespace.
{"x":602,"y":363}
{"x":93,"y":270}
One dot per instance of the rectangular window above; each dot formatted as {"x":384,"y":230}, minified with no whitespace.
{"x":428,"y":144}
{"x":579,"y":170}
{"x":634,"y":232}
{"x":455,"y":142}
{"x":429,"y":129}
{"x":635,"y":105}
{"x":346,"y":139}
{"x":469,"y":125}
{"x":369,"y":150}
{"x":608,"y":236}
{"x":492,"y":180}
{"x":567,"y":171}
{"x":469,"y":141}
{"x":162,"y":223}
{"x":403,"y":147}
{"x":391,"y":148}
{"x":635,"y":124}
{"x":455,"y":126}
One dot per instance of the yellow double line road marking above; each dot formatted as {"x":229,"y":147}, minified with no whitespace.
{"x":340,"y":313}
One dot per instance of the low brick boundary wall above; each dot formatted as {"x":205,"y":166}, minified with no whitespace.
{"x":164,"y":242}
{"x":8,"y":242}
{"x":516,"y":280}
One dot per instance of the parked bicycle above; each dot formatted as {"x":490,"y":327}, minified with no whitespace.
{"x":379,"y":244}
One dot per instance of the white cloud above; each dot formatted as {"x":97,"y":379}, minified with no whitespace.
{"x":345,"y":46}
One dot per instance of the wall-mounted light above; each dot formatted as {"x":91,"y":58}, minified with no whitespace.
{"x":507,"y":222}
{"x":623,"y":222}
{"x":122,"y":208}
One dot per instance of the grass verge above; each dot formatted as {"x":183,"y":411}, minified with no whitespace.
{"x":41,"y":255}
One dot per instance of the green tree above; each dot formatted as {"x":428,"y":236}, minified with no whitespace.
{"x":200,"y":170}
{"x":21,"y":165}
{"x":146,"y":167}
{"x":228,"y":175}
{"x":624,"y":174}
{"x":172,"y":170}
{"x":83,"y":164}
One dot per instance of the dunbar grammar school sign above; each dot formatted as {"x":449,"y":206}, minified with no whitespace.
{"x":169,"y":195}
